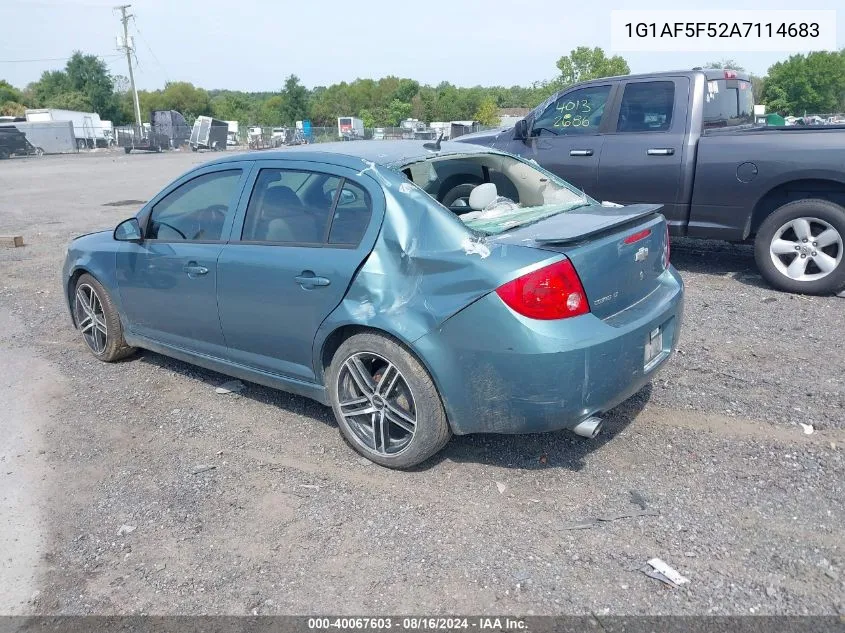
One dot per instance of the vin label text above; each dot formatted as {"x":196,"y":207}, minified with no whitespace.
{"x":721,"y":30}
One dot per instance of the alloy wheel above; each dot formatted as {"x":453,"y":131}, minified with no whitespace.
{"x":376,"y":403}
{"x":91,"y":318}
{"x":806,"y":249}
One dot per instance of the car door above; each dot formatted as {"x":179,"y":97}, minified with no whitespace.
{"x":643,"y":153}
{"x":168,"y":280}
{"x":566,"y":137}
{"x":298,"y":239}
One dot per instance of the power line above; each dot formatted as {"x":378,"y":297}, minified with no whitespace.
{"x":48,"y":59}
{"x":143,"y":39}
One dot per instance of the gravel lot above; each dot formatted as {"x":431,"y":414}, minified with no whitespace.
{"x":728,"y":488}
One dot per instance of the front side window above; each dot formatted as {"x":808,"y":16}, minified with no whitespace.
{"x":196,"y":210}
{"x":576,"y":112}
{"x":646,"y":107}
{"x":292,"y":206}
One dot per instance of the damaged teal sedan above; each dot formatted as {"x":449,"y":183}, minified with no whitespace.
{"x":375,"y":279}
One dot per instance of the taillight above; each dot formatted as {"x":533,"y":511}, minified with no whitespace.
{"x":666,"y":248}
{"x":553,"y":292}
{"x":636,"y":237}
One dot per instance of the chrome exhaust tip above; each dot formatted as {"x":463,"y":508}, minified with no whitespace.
{"x":588,"y":428}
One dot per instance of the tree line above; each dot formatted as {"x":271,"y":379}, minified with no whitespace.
{"x":811,"y":83}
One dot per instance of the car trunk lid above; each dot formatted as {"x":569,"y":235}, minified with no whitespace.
{"x":618,"y":252}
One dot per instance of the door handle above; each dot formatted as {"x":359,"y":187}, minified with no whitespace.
{"x":307,"y":279}
{"x":195,"y":270}
{"x":660,"y":151}
{"x":580,"y":152}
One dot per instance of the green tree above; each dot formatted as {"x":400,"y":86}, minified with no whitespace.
{"x":71,"y":100}
{"x":231,"y":106}
{"x":9,"y":93}
{"x":186,"y":98}
{"x":12,"y":108}
{"x":487,"y":112}
{"x":813,"y":83}
{"x":725,"y":63}
{"x":406,"y":90}
{"x":294,"y":105}
{"x":368,"y":118}
{"x":89,"y":76}
{"x":585,"y":63}
{"x":398,"y":111}
{"x":51,"y":84}
{"x":270,"y":112}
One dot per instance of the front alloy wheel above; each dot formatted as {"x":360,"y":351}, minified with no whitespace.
{"x":97,"y":318}
{"x":91,"y":318}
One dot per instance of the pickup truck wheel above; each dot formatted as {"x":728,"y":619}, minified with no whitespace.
{"x":800,"y":247}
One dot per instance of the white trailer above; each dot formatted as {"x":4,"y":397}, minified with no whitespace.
{"x":232,"y":137}
{"x":349,"y":128}
{"x":87,"y":127}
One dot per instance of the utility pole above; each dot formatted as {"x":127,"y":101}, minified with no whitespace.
{"x":128,"y":48}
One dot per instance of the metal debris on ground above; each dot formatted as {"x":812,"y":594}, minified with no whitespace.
{"x":230,"y":386}
{"x":126,"y":529}
{"x":202,"y":468}
{"x":808,"y":428}
{"x":659,"y":570}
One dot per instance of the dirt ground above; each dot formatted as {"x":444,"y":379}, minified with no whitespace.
{"x":105,"y":510}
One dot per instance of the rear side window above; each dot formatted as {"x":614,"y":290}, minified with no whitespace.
{"x":351,"y":215}
{"x":576,"y":112}
{"x":646,"y":107}
{"x":290,"y":206}
{"x":728,"y":102}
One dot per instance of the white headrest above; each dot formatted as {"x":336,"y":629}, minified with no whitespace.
{"x":483,"y":196}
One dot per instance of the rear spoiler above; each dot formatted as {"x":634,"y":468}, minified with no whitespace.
{"x":592,"y":221}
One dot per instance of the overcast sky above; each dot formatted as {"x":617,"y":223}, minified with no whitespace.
{"x":255,"y":44}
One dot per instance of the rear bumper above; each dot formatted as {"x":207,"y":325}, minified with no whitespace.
{"x":498,"y":372}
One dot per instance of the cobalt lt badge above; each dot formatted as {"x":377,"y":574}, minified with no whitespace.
{"x":641,"y":255}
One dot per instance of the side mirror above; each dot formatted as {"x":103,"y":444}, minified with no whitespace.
{"x":520,"y":130}
{"x":128,"y":231}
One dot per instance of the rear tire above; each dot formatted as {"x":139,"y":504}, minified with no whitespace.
{"x":397,"y":390}
{"x":790,"y":257}
{"x":104,"y":332}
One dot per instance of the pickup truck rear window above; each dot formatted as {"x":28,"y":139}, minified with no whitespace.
{"x":728,"y":102}
{"x":646,"y":107}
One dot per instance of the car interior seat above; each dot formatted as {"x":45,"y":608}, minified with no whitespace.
{"x":284,"y":219}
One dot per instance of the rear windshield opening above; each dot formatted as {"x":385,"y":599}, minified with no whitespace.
{"x":728,"y":102}
{"x":512,"y":192}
